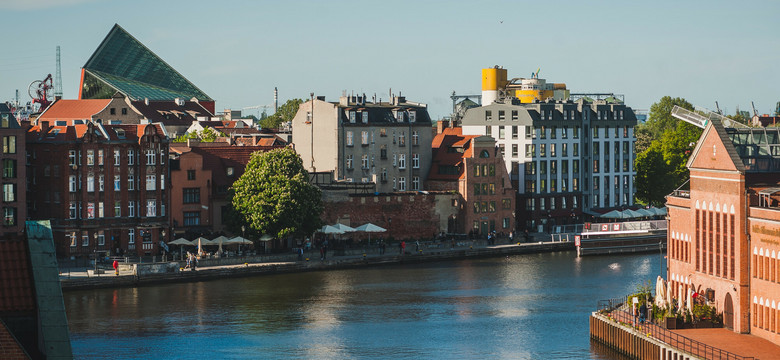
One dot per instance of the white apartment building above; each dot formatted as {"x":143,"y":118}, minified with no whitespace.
{"x":563,"y":157}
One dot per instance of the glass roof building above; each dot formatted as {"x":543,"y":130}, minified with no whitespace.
{"x":123,"y":64}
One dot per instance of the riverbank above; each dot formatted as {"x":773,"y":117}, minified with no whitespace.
{"x":171,"y":272}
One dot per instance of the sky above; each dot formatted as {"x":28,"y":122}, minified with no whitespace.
{"x":238,"y":51}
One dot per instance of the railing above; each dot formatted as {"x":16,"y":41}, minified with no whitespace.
{"x":631,"y":226}
{"x":616,"y":310}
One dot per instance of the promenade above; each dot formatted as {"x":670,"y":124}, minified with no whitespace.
{"x":214,"y":269}
{"x":715,"y":343}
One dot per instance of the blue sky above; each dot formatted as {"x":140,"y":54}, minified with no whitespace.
{"x":238,"y":51}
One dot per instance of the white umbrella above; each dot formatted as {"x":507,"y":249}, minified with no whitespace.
{"x":614,"y":214}
{"x":239,"y":240}
{"x":669,"y":294}
{"x":180,"y":241}
{"x":369,"y":228}
{"x":680,"y":298}
{"x":343,"y":228}
{"x":266,"y":237}
{"x":329,"y":229}
{"x":660,"y":288}
{"x":221,"y":239}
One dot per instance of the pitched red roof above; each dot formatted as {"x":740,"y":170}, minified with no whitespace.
{"x":74,"y":109}
{"x":17,"y":293}
{"x":446,"y":146}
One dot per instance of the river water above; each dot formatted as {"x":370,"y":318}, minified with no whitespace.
{"x":519,"y":307}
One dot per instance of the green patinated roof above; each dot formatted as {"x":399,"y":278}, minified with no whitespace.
{"x":122,"y":63}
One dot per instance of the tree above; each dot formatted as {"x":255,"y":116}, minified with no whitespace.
{"x":660,"y":118}
{"x":285,"y":113}
{"x":677,"y":146}
{"x":206,"y":135}
{"x":654,"y":178}
{"x":274,"y":197}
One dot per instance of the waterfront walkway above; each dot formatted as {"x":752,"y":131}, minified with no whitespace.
{"x":151,"y":273}
{"x":718,"y":343}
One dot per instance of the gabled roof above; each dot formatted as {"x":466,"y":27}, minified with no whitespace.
{"x":449,"y":148}
{"x":73,"y":109}
{"x":122,"y":63}
{"x":16,"y":286}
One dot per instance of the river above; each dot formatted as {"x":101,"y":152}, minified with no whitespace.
{"x":519,"y":307}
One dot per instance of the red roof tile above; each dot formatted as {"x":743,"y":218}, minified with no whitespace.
{"x":16,"y":286}
{"x":443,"y":145}
{"x":74,"y":109}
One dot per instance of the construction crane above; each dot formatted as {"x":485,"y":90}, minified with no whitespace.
{"x":704,"y":117}
{"x":258,"y":107}
{"x":755,"y":113}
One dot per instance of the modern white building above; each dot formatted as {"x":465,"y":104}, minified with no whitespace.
{"x":563,"y":157}
{"x":386,"y":143}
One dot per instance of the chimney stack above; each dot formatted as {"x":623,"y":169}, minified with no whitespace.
{"x":44,"y":127}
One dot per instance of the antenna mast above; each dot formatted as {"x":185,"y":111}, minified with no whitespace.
{"x":58,"y":79}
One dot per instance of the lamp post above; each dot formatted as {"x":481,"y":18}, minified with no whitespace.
{"x":243,"y":235}
{"x":95,"y":236}
{"x":162,"y":235}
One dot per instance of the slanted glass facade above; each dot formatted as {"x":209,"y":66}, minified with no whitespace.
{"x":122,"y":63}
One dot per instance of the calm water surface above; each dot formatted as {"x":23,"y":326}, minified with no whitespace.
{"x":520,"y":307}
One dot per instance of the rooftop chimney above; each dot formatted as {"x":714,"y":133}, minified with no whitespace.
{"x":44,"y":127}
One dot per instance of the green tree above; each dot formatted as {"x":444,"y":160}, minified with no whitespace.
{"x":206,"y":135}
{"x":677,"y":146}
{"x":654,"y":177}
{"x":285,"y":113}
{"x":273,"y":196}
{"x":660,"y":118}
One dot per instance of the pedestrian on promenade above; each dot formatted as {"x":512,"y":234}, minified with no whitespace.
{"x":300,"y":253}
{"x":322,"y":252}
{"x":417,"y":246}
{"x":401,"y":246}
{"x":189,"y":261}
{"x":642,"y":313}
{"x":381,"y":247}
{"x":325,"y":249}
{"x":116,"y":267}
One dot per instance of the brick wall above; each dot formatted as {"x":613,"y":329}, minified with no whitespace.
{"x":404,"y":215}
{"x":9,"y":348}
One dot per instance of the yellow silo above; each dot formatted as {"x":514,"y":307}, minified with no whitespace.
{"x":493,"y":80}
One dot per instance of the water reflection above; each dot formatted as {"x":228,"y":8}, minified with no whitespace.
{"x":531,"y":306}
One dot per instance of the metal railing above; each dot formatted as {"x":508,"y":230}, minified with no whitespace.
{"x":615,"y":308}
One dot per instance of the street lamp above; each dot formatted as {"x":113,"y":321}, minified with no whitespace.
{"x":162,"y":235}
{"x":95,"y":236}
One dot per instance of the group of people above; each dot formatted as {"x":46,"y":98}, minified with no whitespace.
{"x":192,"y":261}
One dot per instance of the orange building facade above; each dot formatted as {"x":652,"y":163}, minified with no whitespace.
{"x":724,"y":233}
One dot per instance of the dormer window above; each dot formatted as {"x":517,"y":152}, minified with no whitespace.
{"x":412,"y":116}
{"x":120,"y":133}
{"x":229,"y":171}
{"x":399,"y":115}
{"x":365,"y":117}
{"x":352,"y":117}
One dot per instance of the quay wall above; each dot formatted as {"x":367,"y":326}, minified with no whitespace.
{"x":146,"y":274}
{"x":630,"y":342}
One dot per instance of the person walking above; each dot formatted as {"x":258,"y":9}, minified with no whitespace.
{"x":417,"y":246}
{"x":116,"y":267}
{"x":642,"y":313}
{"x":325,"y":249}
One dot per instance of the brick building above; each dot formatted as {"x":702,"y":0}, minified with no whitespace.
{"x":473,"y":166}
{"x":723,"y":232}
{"x":14,"y":184}
{"x":104,"y":187}
{"x":201,"y":175}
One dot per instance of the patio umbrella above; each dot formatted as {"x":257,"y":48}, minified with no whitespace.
{"x":266,"y":237}
{"x":344,"y":228}
{"x":646,"y":212}
{"x":669,"y":294}
{"x":660,"y":288}
{"x":181,"y":242}
{"x":369,"y":228}
{"x":680,"y":298}
{"x":219,"y":240}
{"x":614,"y":214}
{"x":633,"y":214}
{"x":329,"y":229}
{"x":239,"y":240}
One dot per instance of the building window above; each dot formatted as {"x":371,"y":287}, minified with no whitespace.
{"x":383,"y":175}
{"x":9,"y":144}
{"x":415,"y":138}
{"x":100,"y":210}
{"x":402,"y":161}
{"x":364,"y":137}
{"x":90,"y":210}
{"x":131,"y":236}
{"x":501,"y":132}
{"x":416,"y":183}
{"x":130,"y":157}
{"x":542,"y":150}
{"x":352,"y":117}
{"x":72,"y":157}
{"x":9,"y":192}
{"x":349,"y":138}
{"x":489,"y":130}
{"x":90,"y":183}
{"x":191,"y":218}
{"x":488,"y":116}
{"x":117,"y":208}
{"x":394,"y":183}
{"x":90,"y":157}
{"x":72,"y":210}
{"x":416,"y":161}
{"x":349,"y":161}
{"x":365,"y":117}
{"x":162,"y":157}
{"x":130,"y":182}
{"x":514,"y":150}
{"x":364,"y":161}
{"x":542,"y":133}
{"x":85,"y":240}
{"x":151,"y":182}
{"x":150,"y":157}
{"x":402,"y":183}
{"x":101,"y":182}
{"x":100,"y":157}
{"x":131,"y":208}
{"x":190,"y":174}
{"x":402,"y":139}
{"x":530,"y":150}
{"x":151,"y":208}
{"x":191,"y":195}
{"x":552,"y":150}
{"x":506,"y":204}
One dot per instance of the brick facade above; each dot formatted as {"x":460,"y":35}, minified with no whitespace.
{"x":105,"y":187}
{"x":723,"y":240}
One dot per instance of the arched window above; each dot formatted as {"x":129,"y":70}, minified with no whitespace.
{"x":484,"y":154}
